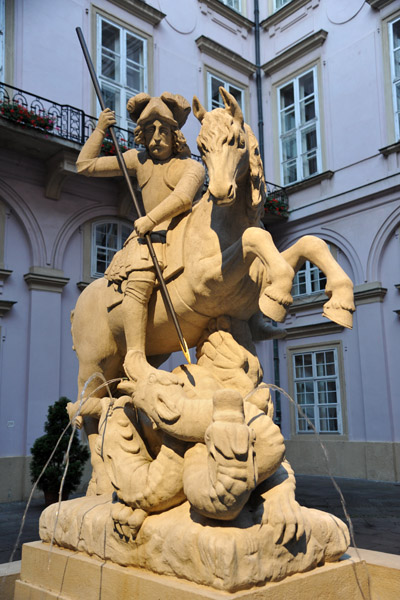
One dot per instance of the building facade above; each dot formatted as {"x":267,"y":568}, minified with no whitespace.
{"x":320,"y":90}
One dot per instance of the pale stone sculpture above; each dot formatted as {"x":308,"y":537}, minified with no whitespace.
{"x":196,"y":465}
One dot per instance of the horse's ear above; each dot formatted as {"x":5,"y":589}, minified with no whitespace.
{"x":198,"y":109}
{"x":231,"y":105}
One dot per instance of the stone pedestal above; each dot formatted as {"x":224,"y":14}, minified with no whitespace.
{"x":59,"y":574}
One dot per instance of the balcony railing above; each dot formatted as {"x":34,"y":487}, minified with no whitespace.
{"x":66,"y":122}
{"x":73,"y":124}
{"x":276,"y":204}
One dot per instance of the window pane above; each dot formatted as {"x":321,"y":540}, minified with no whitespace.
{"x":307,"y":111}
{"x":289,"y":148}
{"x":306,"y":85}
{"x":216,"y":101}
{"x":110,"y":54}
{"x":111,"y":98}
{"x":289,"y":173}
{"x":287,"y":96}
{"x":288,"y":120}
{"x":310,"y":165}
{"x":308,"y":140}
{"x":134,"y":49}
{"x":237,"y":94}
{"x":396,"y":35}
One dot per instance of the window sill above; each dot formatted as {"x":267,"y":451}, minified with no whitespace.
{"x":229,"y":13}
{"x":323,"y":437}
{"x":141,"y":9}
{"x":308,"y":182}
{"x":308,"y":301}
{"x":224,"y":55}
{"x":390,"y":149}
{"x":281,"y":14}
{"x":378,"y":4}
{"x":5,"y":306}
{"x":287,"y":57}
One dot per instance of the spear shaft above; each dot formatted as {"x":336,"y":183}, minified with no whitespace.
{"x":164,"y":291}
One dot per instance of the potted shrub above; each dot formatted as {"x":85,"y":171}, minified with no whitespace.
{"x":57,"y":421}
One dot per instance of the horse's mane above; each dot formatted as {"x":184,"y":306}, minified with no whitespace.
{"x":219,"y":127}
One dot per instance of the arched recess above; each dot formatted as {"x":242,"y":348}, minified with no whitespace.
{"x":29,"y":223}
{"x":381,"y":239}
{"x":332,"y":237}
{"x":72,"y":224}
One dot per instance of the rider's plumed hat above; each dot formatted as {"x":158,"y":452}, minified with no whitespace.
{"x":169,"y":108}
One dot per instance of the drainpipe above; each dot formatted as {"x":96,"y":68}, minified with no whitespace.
{"x":258,"y":80}
{"x":277,"y":379}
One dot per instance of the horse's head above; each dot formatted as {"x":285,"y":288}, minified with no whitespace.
{"x":223,"y":144}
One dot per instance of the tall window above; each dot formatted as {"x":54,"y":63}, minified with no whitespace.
{"x":317,"y":391}
{"x":394,"y":35}
{"x":107,"y":239}
{"x":122,"y":66}
{"x":308,"y":280}
{"x":279,"y":3}
{"x":299,"y":128}
{"x":235,"y":4}
{"x":214,"y":82}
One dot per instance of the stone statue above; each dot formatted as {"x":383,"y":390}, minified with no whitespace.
{"x":190,"y":477}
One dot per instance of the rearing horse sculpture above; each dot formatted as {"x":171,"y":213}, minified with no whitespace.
{"x":230,"y":263}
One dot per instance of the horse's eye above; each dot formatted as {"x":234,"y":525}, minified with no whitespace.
{"x":241,"y":143}
{"x":204,"y":147}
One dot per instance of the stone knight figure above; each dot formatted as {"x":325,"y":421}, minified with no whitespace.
{"x":169,"y":181}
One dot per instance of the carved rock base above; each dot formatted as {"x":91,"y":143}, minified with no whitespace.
{"x":228,"y":556}
{"x":65,"y":575}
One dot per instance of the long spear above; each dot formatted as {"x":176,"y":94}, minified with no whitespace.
{"x":122,"y":164}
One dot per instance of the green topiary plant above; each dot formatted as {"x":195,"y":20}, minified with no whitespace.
{"x":57,"y":421}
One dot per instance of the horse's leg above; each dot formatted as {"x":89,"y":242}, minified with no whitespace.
{"x":258,"y":243}
{"x":339,"y":287}
{"x":276,"y":296}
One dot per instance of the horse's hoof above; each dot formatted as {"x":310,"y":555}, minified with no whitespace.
{"x":341,"y":316}
{"x":271,"y":308}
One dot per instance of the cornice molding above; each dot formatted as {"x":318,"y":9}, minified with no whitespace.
{"x":308,"y":182}
{"x":45,"y":280}
{"x":225,"y":55}
{"x":312,"y":330}
{"x":367,"y":293}
{"x":229,"y":13}
{"x":378,"y":4}
{"x":282,"y":13}
{"x":142,"y":10}
{"x":4,"y":274}
{"x":5,"y":306}
{"x":390,"y":149}
{"x":296,"y":51}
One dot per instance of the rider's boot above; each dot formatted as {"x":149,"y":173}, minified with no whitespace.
{"x":134,"y":314}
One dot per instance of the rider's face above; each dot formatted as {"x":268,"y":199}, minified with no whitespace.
{"x":158,"y":140}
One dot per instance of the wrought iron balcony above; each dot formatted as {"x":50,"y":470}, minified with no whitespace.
{"x":276,"y":204}
{"x":54,"y":119}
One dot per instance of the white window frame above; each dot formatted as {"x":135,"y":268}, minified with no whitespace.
{"x":316,"y":380}
{"x":395,"y":81}
{"x":227,"y":84}
{"x":121,"y":87}
{"x":299,"y":128}
{"x":312,"y":277}
{"x":121,"y":237}
{"x":234,"y":4}
{"x":278,"y":4}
